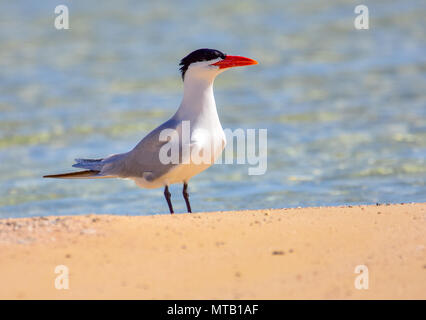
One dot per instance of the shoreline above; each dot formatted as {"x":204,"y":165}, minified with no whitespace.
{"x":301,"y":253}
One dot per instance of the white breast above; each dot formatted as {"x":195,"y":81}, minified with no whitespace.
{"x":207,"y":139}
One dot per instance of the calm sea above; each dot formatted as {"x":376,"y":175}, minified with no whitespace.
{"x":345,"y":109}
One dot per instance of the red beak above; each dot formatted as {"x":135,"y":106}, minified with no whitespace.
{"x":234,"y":61}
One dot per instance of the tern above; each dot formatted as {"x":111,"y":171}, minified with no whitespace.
{"x":197,"y":112}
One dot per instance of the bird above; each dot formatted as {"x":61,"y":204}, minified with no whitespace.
{"x":170,"y":153}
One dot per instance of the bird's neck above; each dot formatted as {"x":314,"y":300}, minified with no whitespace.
{"x":198,"y":100}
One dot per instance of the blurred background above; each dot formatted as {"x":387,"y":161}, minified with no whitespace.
{"x":345,"y":109}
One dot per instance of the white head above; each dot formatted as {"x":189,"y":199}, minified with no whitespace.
{"x":206,"y":64}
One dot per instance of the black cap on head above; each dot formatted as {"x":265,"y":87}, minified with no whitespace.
{"x":199,"y":55}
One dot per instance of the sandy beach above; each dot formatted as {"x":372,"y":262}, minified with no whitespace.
{"x":307,"y":253}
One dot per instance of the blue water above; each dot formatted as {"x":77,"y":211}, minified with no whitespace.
{"x":345,"y":109}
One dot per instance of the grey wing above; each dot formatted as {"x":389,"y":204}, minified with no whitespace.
{"x":144,"y":159}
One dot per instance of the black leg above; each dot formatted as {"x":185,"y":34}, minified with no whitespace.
{"x":186,"y":196}
{"x":167,"y":195}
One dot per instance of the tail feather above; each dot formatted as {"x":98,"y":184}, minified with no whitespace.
{"x":94,"y":169}
{"x":91,"y":164}
{"x":86,"y":174}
